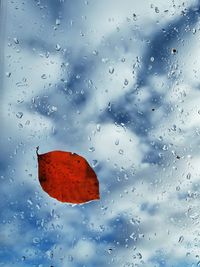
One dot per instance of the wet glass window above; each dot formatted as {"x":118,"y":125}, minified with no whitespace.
{"x":100,"y":133}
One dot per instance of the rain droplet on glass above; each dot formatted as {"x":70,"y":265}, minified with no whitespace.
{"x":16,"y":41}
{"x":57,"y":21}
{"x":125,"y":82}
{"x":19,"y":115}
{"x":58,"y":47}
{"x":8,"y":74}
{"x":111,"y":70}
{"x":44,"y":76}
{"x":91,"y":149}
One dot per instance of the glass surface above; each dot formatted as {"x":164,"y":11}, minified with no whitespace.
{"x":118,"y":83}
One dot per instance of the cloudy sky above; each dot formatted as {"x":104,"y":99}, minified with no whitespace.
{"x":118,"y":83}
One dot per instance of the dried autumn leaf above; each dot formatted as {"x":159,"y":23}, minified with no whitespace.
{"x":67,"y":177}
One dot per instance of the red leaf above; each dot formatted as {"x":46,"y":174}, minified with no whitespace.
{"x":67,"y":177}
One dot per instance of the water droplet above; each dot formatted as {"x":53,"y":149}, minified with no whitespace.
{"x":117,"y":142}
{"x":94,"y":163}
{"x":29,"y":202}
{"x":47,"y":54}
{"x":121,"y":151}
{"x":165,"y":147}
{"x":132,"y":236}
{"x":43,"y":76}
{"x":95,"y":52}
{"x":36,"y":240}
{"x":139,"y":255}
{"x":57,"y":21}
{"x":58,"y":47}
{"x":20,"y":125}
{"x":109,"y":106}
{"x":16,"y":40}
{"x":111,"y":70}
{"x":8,"y":74}
{"x":173,"y":51}
{"x":188,"y":176}
{"x":194,"y":31}
{"x":152,"y":59}
{"x":125,"y":82}
{"x":109,"y":250}
{"x":19,"y":115}
{"x":181,"y":238}
{"x":173,"y":128}
{"x":134,"y":17}
{"x":91,"y":149}
{"x":54,"y":108}
{"x":98,"y":127}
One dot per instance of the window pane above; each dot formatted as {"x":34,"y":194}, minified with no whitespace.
{"x":116,"y":82}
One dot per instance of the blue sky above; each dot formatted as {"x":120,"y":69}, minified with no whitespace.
{"x":118,"y":83}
